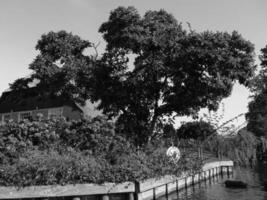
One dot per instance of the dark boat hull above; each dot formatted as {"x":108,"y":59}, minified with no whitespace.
{"x":235,"y":184}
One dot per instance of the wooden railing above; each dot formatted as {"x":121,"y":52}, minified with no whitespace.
{"x":154,"y":188}
{"x":140,"y":190}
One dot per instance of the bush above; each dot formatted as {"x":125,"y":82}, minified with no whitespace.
{"x":51,"y":167}
{"x":48,"y":152}
{"x":198,"y":130}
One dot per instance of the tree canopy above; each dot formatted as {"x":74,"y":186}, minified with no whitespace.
{"x":257,"y":114}
{"x":59,"y":68}
{"x":175,"y":71}
{"x":198,"y":130}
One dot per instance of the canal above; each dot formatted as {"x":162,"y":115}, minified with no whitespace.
{"x":215,"y":189}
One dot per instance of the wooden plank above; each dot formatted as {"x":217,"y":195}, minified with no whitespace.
{"x":156,"y":182}
{"x":181,"y":183}
{"x":211,"y":165}
{"x":145,"y":195}
{"x":68,"y":190}
{"x":172,"y":186}
{"x":160,"y":191}
{"x":196,"y":178}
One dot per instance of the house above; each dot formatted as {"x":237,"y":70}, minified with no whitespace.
{"x":30,"y":106}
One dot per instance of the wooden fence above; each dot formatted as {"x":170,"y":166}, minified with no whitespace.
{"x":149,"y":189}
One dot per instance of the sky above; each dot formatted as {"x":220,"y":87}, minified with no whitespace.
{"x":22,"y":22}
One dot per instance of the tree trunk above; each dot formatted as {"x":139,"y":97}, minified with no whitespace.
{"x":152,"y":125}
{"x":154,"y":120}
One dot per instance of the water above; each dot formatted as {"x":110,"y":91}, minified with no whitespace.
{"x":215,"y":189}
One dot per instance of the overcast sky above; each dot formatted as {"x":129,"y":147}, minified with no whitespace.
{"x":23,"y":21}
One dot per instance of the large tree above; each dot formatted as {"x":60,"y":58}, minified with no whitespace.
{"x":58,"y":69}
{"x":174,"y":71}
{"x":257,"y":114}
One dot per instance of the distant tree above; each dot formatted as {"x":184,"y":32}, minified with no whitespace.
{"x":198,"y":130}
{"x":174,"y":71}
{"x":59,"y":67}
{"x":257,"y":113}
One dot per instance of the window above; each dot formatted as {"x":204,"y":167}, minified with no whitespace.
{"x":6,"y":117}
{"x":55,"y":113}
{"x":25,"y":115}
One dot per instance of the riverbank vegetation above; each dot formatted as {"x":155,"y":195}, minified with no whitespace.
{"x":257,"y":113}
{"x":244,"y":148}
{"x":48,"y":152}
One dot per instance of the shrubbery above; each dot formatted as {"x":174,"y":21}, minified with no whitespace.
{"x":244,"y":148}
{"x":48,"y":152}
{"x":198,"y":130}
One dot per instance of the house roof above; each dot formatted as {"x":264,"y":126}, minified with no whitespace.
{"x":30,"y":101}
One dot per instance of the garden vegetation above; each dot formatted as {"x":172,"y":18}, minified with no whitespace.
{"x":48,"y":152}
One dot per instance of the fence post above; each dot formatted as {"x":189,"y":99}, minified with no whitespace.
{"x":167,"y":192}
{"x":136,"y":189}
{"x":154,"y":193}
{"x":131,"y":196}
{"x":105,"y":197}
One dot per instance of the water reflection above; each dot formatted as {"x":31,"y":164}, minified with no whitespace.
{"x":215,"y":189}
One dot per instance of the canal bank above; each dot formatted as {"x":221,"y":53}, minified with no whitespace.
{"x":140,"y":190}
{"x":215,"y":189}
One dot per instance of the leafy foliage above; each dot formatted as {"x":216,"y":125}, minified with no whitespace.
{"x":169,"y":131}
{"x":48,"y":152}
{"x":198,"y":130}
{"x":257,"y":113}
{"x":258,"y":84}
{"x":59,"y":68}
{"x":244,"y":148}
{"x":175,"y":71}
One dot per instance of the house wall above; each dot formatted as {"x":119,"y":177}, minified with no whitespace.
{"x":66,"y":111}
{"x":44,"y":112}
{"x":13,"y":115}
{"x":16,"y":115}
{"x":1,"y":117}
{"x":70,"y":113}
